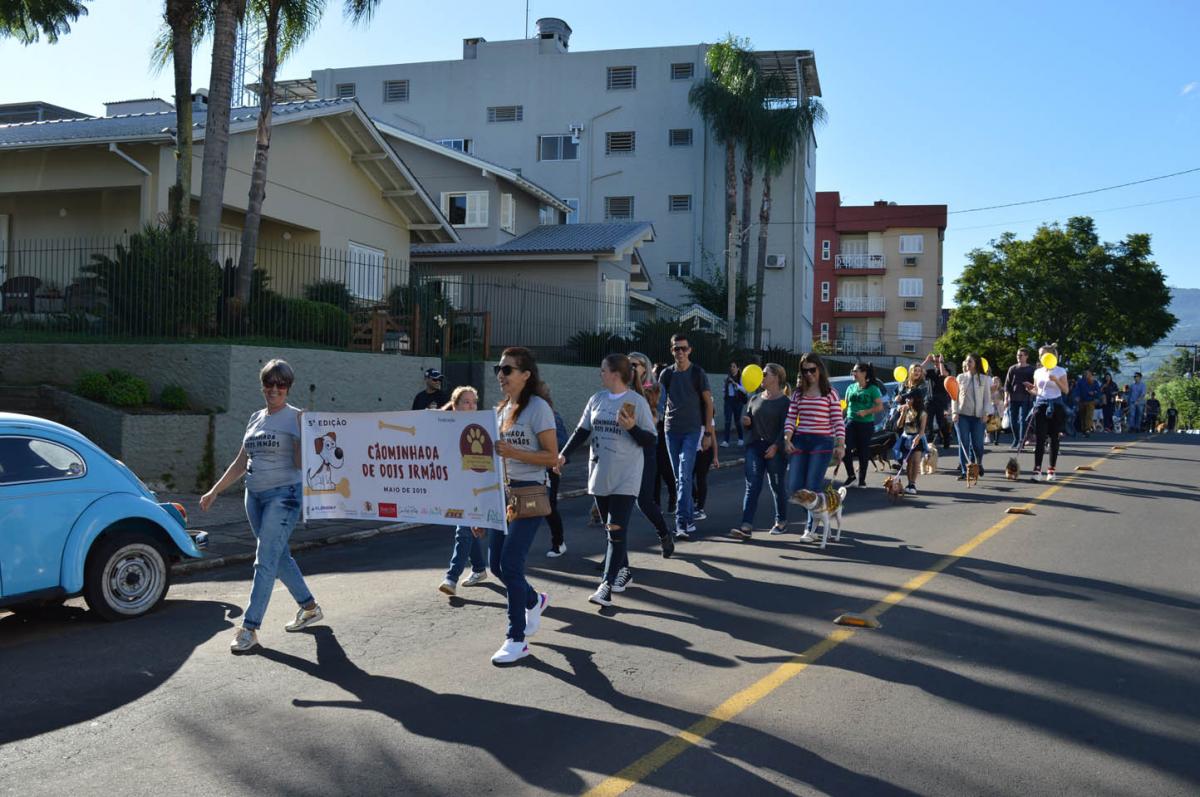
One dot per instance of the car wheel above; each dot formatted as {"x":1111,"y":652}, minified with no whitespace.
{"x":127,"y":575}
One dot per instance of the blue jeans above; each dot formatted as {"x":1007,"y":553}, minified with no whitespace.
{"x":969,"y":429}
{"x":466,"y":547}
{"x":507,"y":558}
{"x":733,"y":415}
{"x":1135,"y":419}
{"x":273,"y":514}
{"x":682,"y":448}
{"x":773,"y":470}
{"x":1018,"y":416}
{"x":807,"y":469}
{"x":904,"y":444}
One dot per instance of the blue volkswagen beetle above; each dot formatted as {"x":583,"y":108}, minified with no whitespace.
{"x":74,"y":521}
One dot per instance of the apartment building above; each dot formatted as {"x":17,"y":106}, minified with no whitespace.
{"x":612,"y":134}
{"x":878,"y":276}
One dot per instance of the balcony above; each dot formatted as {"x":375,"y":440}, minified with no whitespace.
{"x":858,"y":344}
{"x":867,"y":263}
{"x":859,"y":305}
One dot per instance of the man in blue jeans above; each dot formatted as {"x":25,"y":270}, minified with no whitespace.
{"x":687,"y":400}
{"x":1019,"y":400}
{"x":1137,"y":403}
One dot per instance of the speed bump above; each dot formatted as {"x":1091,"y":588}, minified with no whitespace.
{"x":1018,"y":510}
{"x":1118,"y":448}
{"x":1084,"y":467}
{"x":856,"y":620}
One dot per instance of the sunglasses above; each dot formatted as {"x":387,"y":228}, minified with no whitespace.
{"x":812,"y":370}
{"x":268,"y":383}
{"x":507,"y":370}
{"x":680,"y":348}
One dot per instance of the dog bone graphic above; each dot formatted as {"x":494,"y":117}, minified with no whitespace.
{"x":487,"y":489}
{"x":410,"y":429}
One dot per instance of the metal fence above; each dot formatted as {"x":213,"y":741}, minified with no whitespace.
{"x":160,"y":286}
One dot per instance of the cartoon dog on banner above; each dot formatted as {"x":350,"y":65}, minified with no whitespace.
{"x":320,"y":479}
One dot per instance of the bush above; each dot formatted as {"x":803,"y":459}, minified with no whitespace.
{"x":173,"y":397}
{"x":330,"y":292}
{"x":592,"y":347}
{"x":93,"y":385}
{"x":115,"y":387}
{"x":301,"y":320}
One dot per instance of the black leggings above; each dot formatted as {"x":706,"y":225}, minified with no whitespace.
{"x":858,"y":441}
{"x":1047,"y":426}
{"x":704,"y":461}
{"x":647,"y":500}
{"x":554,"y":520}
{"x":615,"y":511}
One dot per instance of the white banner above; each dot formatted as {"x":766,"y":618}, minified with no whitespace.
{"x":415,"y":467}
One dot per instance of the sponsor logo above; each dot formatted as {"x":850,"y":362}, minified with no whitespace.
{"x":493,"y":516}
{"x":387,"y":510}
{"x":454,"y":514}
{"x":477,"y":449}
{"x":368,"y":506}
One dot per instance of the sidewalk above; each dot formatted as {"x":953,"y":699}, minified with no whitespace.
{"x":230,"y":540}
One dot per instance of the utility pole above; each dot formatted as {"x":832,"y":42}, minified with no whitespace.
{"x":1195,"y":347}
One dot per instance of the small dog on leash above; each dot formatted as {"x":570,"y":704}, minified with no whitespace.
{"x":929,"y":462}
{"x":1012,"y":471}
{"x":893,"y":487}
{"x":824,"y":505}
{"x":972,"y":474}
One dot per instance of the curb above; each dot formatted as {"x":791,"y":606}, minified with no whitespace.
{"x":199,"y":565}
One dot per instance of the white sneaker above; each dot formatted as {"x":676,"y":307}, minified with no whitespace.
{"x":808,"y":536}
{"x":556,"y":552}
{"x":624,"y":579}
{"x":700,"y":514}
{"x":724,"y":444}
{"x":245,"y":639}
{"x":682,"y":534}
{"x":778,"y":528}
{"x":602,"y":595}
{"x":1050,"y":475}
{"x":447,"y":586}
{"x":510,"y":652}
{"x":742,"y":443}
{"x":305,"y":618}
{"x":533,"y":617}
{"x":476,"y":577}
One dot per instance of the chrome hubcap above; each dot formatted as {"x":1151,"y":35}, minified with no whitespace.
{"x":134,"y":579}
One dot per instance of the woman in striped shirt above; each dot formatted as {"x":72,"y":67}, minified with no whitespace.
{"x":816,"y":432}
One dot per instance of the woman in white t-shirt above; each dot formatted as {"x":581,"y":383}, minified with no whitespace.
{"x":528,"y":445}
{"x":1049,"y":411}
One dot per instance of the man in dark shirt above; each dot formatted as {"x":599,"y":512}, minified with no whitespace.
{"x":1172,"y":416}
{"x":433,"y":395}
{"x":1019,"y":400}
{"x":1153,"y":408}
{"x":686,"y":406}
{"x":1089,"y":394}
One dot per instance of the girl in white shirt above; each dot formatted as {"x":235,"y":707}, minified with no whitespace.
{"x":1049,"y":411}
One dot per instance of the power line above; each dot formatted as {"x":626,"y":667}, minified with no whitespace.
{"x":1078,"y":193}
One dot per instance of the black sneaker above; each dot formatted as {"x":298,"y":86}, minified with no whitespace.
{"x":624,"y":579}
{"x":849,"y":481}
{"x":668,"y":545}
{"x":602,"y":595}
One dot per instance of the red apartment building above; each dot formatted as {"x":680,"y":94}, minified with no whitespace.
{"x":877,"y":280}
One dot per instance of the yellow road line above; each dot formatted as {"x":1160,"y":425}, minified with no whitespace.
{"x":695,"y":734}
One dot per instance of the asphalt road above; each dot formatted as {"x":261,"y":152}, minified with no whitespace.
{"x":1053,"y":653}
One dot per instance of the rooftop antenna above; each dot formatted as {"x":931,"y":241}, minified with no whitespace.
{"x":526,"y":19}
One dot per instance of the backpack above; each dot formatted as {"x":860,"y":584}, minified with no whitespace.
{"x":560,"y":431}
{"x":697,"y":384}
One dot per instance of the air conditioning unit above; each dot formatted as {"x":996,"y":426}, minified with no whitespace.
{"x":910,"y":260}
{"x":910,"y":348}
{"x":912,"y":304}
{"x":776,"y":261}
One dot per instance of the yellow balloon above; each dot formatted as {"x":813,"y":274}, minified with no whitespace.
{"x":986,"y":367}
{"x":1049,"y":361}
{"x":752,"y":376}
{"x":843,"y":405}
{"x":901,"y":373}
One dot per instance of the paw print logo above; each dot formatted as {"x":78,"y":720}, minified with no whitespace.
{"x":475,"y":440}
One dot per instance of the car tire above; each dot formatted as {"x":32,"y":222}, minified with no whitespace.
{"x":127,"y":575}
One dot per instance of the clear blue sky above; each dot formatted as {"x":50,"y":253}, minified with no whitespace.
{"x":929,"y":102}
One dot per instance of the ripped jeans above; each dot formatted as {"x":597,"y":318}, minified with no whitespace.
{"x":273,"y":514}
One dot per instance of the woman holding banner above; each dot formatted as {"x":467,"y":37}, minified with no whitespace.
{"x":528,"y":447}
{"x":620,"y":425}
{"x":270,"y":460}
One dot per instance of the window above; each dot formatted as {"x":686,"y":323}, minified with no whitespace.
{"x":908,"y":330}
{"x":910,"y":348}
{"x":824,"y":291}
{"x":460,"y":144}
{"x":395,"y":91}
{"x":573,"y":216}
{"x":618,"y":208}
{"x":466,"y":208}
{"x":506,"y":113}
{"x":680,"y":203}
{"x":508,"y":214}
{"x":622,"y":77}
{"x":912,"y":244}
{"x":826,"y":248}
{"x":683,"y":71}
{"x":615,"y":312}
{"x":912,"y":288}
{"x":364,"y":272}
{"x":345,"y":90}
{"x":825,"y":331}
{"x":679,"y":268}
{"x":28,"y":459}
{"x":622,"y":143}
{"x":557,"y":148}
{"x":680,"y":137}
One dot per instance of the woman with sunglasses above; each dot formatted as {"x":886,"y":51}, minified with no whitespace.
{"x":270,"y":460}
{"x":765,"y":461}
{"x":528,"y":446}
{"x":815,"y":433}
{"x":864,"y":403}
{"x":970,"y":411}
{"x":618,"y":423}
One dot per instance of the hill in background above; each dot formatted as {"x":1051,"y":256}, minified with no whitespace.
{"x":1185,"y":305}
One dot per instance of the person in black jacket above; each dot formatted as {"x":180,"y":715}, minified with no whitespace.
{"x":433,"y":395}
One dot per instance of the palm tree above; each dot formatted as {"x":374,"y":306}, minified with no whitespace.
{"x":26,"y":20}
{"x":182,"y":17}
{"x":779,"y":130}
{"x":226,"y":16}
{"x":288,"y":24}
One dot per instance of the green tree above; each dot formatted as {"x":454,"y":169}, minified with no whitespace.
{"x":711,"y":291}
{"x":183,"y":17}
{"x":1184,"y":394}
{"x":1061,"y":286}
{"x":28,"y":20}
{"x":1178,"y":365}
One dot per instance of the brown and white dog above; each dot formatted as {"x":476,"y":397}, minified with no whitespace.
{"x":824,"y":506}
{"x":893,"y":486}
{"x":330,"y":458}
{"x":929,"y":462}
